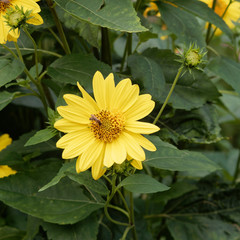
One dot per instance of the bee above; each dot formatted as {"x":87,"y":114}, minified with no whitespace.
{"x":94,"y":118}
{"x":5,"y":1}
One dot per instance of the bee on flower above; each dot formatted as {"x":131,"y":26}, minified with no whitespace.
{"x":106,"y":130}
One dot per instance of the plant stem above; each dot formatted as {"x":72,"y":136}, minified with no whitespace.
{"x":127,"y":50}
{"x":236,"y":171}
{"x":138,"y":3}
{"x":132,"y":220}
{"x":126,"y":233}
{"x":209,"y":24}
{"x":35,"y":49}
{"x":56,"y":37}
{"x":169,"y":94}
{"x":34,"y":81}
{"x":109,"y":198}
{"x":105,"y":47}
{"x":51,"y":5}
{"x":212,"y":35}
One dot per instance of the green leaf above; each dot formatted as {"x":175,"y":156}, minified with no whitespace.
{"x":77,"y":68}
{"x":191,"y":91}
{"x":64,"y":203}
{"x":201,"y":228}
{"x":86,"y":229}
{"x":10,"y":233}
{"x":10,"y":70}
{"x":5,"y":99}
{"x":169,"y":157}
{"x":120,"y":16}
{"x":140,"y":183}
{"x":228,"y":70}
{"x":149,"y":73}
{"x":181,"y":23}
{"x":41,"y":136}
{"x":84,"y":178}
{"x":86,"y":30}
{"x":16,"y":152}
{"x":201,"y":10}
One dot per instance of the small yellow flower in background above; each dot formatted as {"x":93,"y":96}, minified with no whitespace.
{"x":106,"y":130}
{"x":232,"y":14}
{"x":5,"y":170}
{"x":152,"y":8}
{"x":11,"y":13}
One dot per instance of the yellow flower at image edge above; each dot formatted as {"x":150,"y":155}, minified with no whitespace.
{"x":106,"y":130}
{"x":232,"y":14}
{"x":7,"y":33}
{"x":5,"y":170}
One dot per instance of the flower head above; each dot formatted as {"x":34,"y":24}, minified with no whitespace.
{"x":152,"y":9}
{"x":14,"y":14}
{"x":106,"y":130}
{"x":5,"y":170}
{"x":232,"y":14}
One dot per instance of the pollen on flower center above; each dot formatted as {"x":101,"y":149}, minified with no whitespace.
{"x":4,"y":5}
{"x":106,"y":126}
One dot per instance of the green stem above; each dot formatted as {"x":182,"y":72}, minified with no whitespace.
{"x":109,"y":198}
{"x":209,"y":24}
{"x":56,"y":37}
{"x":105,"y":47}
{"x":236,"y":171}
{"x":126,"y":233}
{"x":132,"y":220}
{"x":169,"y":94}
{"x":39,"y":50}
{"x":225,"y":11}
{"x":35,"y":49}
{"x":119,"y":209}
{"x":127,"y":51}
{"x":59,"y":26}
{"x":138,"y":3}
{"x":35,"y":82}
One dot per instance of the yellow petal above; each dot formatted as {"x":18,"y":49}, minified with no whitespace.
{"x":66,"y":126}
{"x":11,"y":38}
{"x":35,"y":19}
{"x":108,"y":161}
{"x":30,"y":5}
{"x":74,"y":114}
{"x":80,"y":103}
{"x":132,"y":146}
{"x":118,"y":151}
{"x":71,"y":137}
{"x":14,"y":33}
{"x":109,"y":86}
{"x":90,"y":156}
{"x":99,"y":90}
{"x":137,"y":164}
{"x":125,"y":95}
{"x":141,"y":108}
{"x":98,"y":169}
{"x":88,"y":97}
{"x":4,"y":29}
{"x":5,"y":171}
{"x":78,"y":146}
{"x":5,"y":140}
{"x":141,"y":127}
{"x":144,"y":142}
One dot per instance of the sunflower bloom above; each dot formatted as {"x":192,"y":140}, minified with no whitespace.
{"x":5,"y":170}
{"x":152,"y":8}
{"x":8,"y":33}
{"x":232,"y":14}
{"x":106,"y":130}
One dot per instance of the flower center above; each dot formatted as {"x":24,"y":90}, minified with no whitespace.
{"x":106,"y":126}
{"x":4,"y":5}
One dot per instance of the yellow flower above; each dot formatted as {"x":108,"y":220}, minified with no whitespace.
{"x":5,"y":170}
{"x":106,"y":130}
{"x":232,"y":14}
{"x":152,"y":8}
{"x":7,"y":33}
